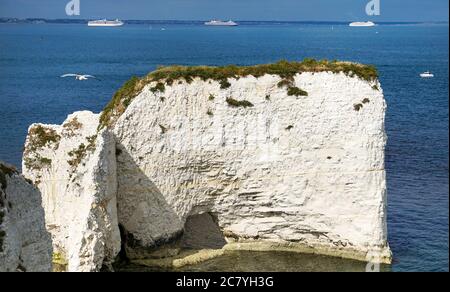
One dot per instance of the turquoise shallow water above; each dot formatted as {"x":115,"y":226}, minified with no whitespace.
{"x":33,"y":56}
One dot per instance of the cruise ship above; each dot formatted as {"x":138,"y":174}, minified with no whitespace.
{"x":221,"y":23}
{"x":362,"y":24}
{"x":105,"y":22}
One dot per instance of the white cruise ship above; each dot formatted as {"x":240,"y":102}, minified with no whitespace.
{"x":105,"y":22}
{"x":221,"y":23}
{"x":362,"y":24}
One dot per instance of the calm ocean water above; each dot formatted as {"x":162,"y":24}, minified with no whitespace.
{"x":33,"y":56}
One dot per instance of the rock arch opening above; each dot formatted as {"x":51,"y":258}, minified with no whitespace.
{"x":201,"y":231}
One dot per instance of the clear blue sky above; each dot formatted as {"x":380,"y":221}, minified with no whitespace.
{"x":300,"y":10}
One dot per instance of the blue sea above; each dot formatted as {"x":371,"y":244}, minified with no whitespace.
{"x":33,"y":56}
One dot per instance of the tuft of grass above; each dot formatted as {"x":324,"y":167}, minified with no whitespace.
{"x":77,"y":156}
{"x":285,"y":69}
{"x":211,"y":97}
{"x":365,"y":100}
{"x":296,"y":91}
{"x":268,"y":97}
{"x":70,"y":128}
{"x":81,"y":152}
{"x":357,"y":107}
{"x":120,"y":101}
{"x":291,"y":88}
{"x":169,"y":82}
{"x":375,"y":87}
{"x":37,"y":162}
{"x":290,"y":127}
{"x":159,"y":87}
{"x":238,"y":103}
{"x":209,"y":113}
{"x":40,"y":137}
{"x":285,"y":83}
{"x":224,"y":84}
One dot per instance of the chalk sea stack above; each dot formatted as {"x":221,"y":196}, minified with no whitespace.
{"x":285,"y":156}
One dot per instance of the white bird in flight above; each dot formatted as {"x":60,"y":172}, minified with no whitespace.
{"x":79,"y":77}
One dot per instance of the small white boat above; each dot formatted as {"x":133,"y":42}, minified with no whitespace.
{"x":362,"y":24}
{"x":427,"y":74}
{"x":105,"y":22}
{"x":221,"y":23}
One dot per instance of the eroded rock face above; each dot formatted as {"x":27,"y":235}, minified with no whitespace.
{"x":74,"y":167}
{"x":271,"y":165}
{"x":290,"y":163}
{"x":25,"y":244}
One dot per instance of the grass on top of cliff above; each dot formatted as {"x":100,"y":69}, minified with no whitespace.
{"x":285,"y":69}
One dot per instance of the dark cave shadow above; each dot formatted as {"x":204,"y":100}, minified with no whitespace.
{"x":148,"y":209}
{"x":200,"y":231}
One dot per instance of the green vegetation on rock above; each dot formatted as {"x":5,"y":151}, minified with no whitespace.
{"x":238,"y":103}
{"x":167,"y":75}
{"x":121,"y":100}
{"x":291,"y":88}
{"x":70,"y":128}
{"x":60,"y":262}
{"x":81,"y":152}
{"x":158,"y":87}
{"x":285,"y":83}
{"x":40,"y":137}
{"x":37,"y":162}
{"x":357,"y":107}
{"x":296,"y":91}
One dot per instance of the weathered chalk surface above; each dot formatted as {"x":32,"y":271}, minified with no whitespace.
{"x":278,"y":162}
{"x":25,"y":244}
{"x":305,"y":171}
{"x":74,"y":166}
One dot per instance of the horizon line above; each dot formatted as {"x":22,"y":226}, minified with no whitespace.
{"x":200,"y":20}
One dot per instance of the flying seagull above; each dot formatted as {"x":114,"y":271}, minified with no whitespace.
{"x":79,"y":77}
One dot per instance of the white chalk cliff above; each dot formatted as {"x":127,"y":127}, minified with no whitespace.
{"x":25,"y":244}
{"x":75,"y":169}
{"x":294,"y":166}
